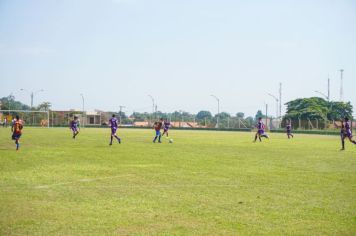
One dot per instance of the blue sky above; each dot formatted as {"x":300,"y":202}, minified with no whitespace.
{"x":116,"y":52}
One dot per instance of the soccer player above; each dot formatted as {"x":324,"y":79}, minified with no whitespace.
{"x":289,"y":129}
{"x":16,"y":129}
{"x":74,"y":126}
{"x":113,"y":123}
{"x":260,"y":130}
{"x":166,"y":126}
{"x":345,"y":132}
{"x":157,"y":126}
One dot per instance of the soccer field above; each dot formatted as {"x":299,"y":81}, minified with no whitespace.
{"x":205,"y":183}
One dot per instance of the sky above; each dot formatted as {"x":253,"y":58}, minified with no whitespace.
{"x":117,"y":52}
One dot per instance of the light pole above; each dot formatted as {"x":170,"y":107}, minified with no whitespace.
{"x":266,"y":115}
{"x":32,"y":94}
{"x":324,"y":95}
{"x":10,"y":98}
{"x":153,"y":105}
{"x":328,"y":99}
{"x":121,"y":112}
{"x":277,"y":100}
{"x":83,"y":108}
{"x":341,"y":85}
{"x":218,"y":100}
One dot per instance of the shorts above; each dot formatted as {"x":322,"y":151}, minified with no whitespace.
{"x":158,"y":132}
{"x":261,"y":131}
{"x":113,"y":131}
{"x":74,"y":129}
{"x":15,"y":136}
{"x":165,"y":129}
{"x":289,"y":131}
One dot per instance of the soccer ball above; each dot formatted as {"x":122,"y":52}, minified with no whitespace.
{"x":171,"y":140}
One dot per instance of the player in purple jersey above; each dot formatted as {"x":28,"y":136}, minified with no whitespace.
{"x":345,"y":132}
{"x":113,"y":123}
{"x":74,"y":126}
{"x":289,"y":129}
{"x":166,"y":126}
{"x":260,"y":130}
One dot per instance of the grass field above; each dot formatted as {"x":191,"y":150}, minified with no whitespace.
{"x":205,"y":183}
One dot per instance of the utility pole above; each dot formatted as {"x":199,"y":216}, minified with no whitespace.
{"x":280,"y":99}
{"x":277,"y":100}
{"x":121,"y":112}
{"x":153,"y":105}
{"x":83,"y":110}
{"x":218,"y":100}
{"x":328,"y":89}
{"x":266,"y":115}
{"x":341,"y":85}
{"x":32,"y":94}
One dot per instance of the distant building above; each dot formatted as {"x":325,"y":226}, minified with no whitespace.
{"x":93,"y":118}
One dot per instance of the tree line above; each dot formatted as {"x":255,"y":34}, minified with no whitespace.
{"x":299,"y":109}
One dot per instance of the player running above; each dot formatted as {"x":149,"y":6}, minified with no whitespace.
{"x":260,"y":130}
{"x":16,"y":129}
{"x":345,"y":132}
{"x":74,"y":126}
{"x":166,"y":126}
{"x":113,"y":123}
{"x":289,"y":129}
{"x":158,"y":126}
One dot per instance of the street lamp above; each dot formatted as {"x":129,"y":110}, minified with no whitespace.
{"x":277,"y":100}
{"x":325,"y":96}
{"x":32,"y":94}
{"x":153,"y":105}
{"x":328,"y":99}
{"x":10,"y":98}
{"x":83,"y":108}
{"x":121,"y":112}
{"x":218,"y":100}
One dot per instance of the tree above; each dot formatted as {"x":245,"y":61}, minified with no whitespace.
{"x":223,"y":115}
{"x":339,"y":110}
{"x":9,"y":103}
{"x":203,"y":114}
{"x":240,"y":115}
{"x":259,"y":114}
{"x":44,"y":106}
{"x":317,"y":108}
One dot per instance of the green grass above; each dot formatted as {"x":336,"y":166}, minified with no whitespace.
{"x":205,"y":183}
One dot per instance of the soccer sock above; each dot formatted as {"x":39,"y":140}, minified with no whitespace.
{"x":154,"y":140}
{"x":255,"y":138}
{"x":159,"y":138}
{"x":17,"y":144}
{"x":118,"y":139}
{"x":259,"y":137}
{"x":343,"y":144}
{"x":111,"y":140}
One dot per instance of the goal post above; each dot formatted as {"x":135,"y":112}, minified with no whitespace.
{"x":29,"y":117}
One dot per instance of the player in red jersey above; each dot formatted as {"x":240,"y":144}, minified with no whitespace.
{"x":158,"y":126}
{"x":16,"y":129}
